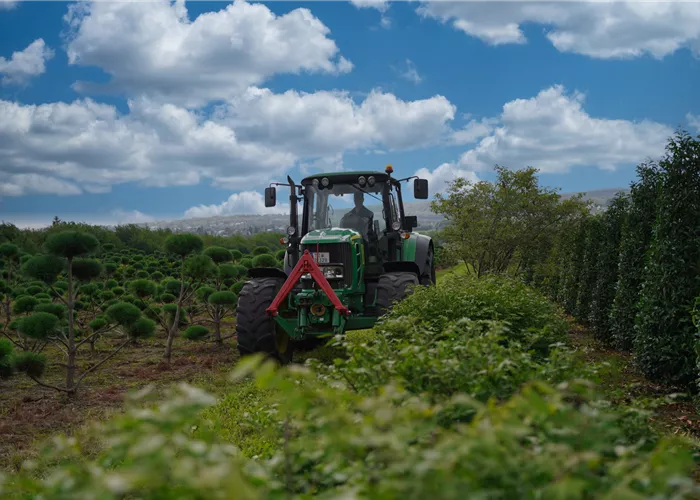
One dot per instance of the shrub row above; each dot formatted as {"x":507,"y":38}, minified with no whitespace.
{"x":633,"y":273}
{"x":480,"y":396}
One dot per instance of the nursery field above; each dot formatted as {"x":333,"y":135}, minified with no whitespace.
{"x":555,"y":358}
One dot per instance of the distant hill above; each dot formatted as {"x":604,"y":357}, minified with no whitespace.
{"x":251,"y":224}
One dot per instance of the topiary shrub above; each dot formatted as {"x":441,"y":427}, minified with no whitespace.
{"x":264,"y":260}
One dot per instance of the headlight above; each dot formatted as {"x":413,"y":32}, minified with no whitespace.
{"x":331,"y":273}
{"x":291,"y":230}
{"x":370,"y":180}
{"x":361,"y":181}
{"x":396,"y":225}
{"x":325,"y":182}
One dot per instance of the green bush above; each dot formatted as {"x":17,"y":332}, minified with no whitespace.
{"x":665,"y":339}
{"x":264,"y":260}
{"x":534,"y":321}
{"x":634,"y":245}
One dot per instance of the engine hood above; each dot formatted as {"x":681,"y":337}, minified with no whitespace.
{"x":330,"y":235}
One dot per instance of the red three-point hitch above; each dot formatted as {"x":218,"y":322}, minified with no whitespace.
{"x":306,"y":265}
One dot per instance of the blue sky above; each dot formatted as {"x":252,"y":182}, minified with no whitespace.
{"x":134,"y":111}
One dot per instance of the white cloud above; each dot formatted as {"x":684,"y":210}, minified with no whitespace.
{"x":91,"y":146}
{"x":20,"y":184}
{"x":155,"y":49}
{"x":552,"y":132}
{"x":120,"y":216}
{"x":439,"y":178}
{"x":693,"y":121}
{"x":597,"y":29}
{"x":411,"y":73}
{"x":324,"y":124}
{"x":113,"y":218}
{"x":243,"y":203}
{"x":473,"y":131}
{"x":380,"y":5}
{"x":25,"y":64}
{"x":8,"y":4}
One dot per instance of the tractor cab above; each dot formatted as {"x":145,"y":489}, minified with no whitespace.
{"x":350,"y":255}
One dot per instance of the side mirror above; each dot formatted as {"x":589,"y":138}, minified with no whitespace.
{"x":420,"y":189}
{"x":270,"y":196}
{"x":410,"y":222}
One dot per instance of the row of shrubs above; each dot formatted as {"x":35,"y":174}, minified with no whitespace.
{"x":467,"y":389}
{"x":78,"y":292}
{"x":632,"y":272}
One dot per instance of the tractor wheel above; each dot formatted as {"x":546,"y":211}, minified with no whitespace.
{"x":255,"y":330}
{"x":394,"y":287}
{"x":428,"y":277}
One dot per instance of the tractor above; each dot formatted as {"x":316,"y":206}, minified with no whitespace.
{"x":342,"y":269}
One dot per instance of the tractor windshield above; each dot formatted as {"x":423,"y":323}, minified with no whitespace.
{"x":347,"y":206}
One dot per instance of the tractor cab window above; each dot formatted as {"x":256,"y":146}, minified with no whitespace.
{"x":347,"y":206}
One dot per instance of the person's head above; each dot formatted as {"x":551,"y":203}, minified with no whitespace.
{"x":359,"y":198}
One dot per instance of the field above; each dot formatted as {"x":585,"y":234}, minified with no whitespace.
{"x":555,"y":358}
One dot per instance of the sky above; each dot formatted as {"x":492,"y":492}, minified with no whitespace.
{"x":118,"y":112}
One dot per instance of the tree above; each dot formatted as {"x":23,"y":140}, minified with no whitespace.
{"x":665,"y":337}
{"x":9,"y":255}
{"x":634,"y":246}
{"x":607,"y":267}
{"x":184,"y":245}
{"x":506,"y":225}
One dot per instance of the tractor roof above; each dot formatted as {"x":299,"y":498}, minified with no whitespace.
{"x":346,"y":177}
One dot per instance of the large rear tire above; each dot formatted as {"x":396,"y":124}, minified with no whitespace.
{"x":392,"y":288}
{"x":428,"y":277}
{"x":255,"y":330}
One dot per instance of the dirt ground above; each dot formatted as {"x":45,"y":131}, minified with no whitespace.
{"x":30,"y":413}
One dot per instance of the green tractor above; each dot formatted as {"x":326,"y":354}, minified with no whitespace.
{"x":340,"y":272}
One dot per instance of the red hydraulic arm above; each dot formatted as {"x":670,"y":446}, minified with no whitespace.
{"x":306,"y":265}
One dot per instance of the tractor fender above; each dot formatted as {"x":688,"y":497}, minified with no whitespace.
{"x":401,"y":266}
{"x":266,"y":272}
{"x":416,"y":249}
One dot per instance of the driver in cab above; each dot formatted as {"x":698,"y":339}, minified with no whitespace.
{"x":360,"y":217}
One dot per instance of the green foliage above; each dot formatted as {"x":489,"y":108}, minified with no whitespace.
{"x":533,"y":320}
{"x":219,"y":254}
{"x":31,"y":363}
{"x":223,"y":299}
{"x":280,"y":254}
{"x":24,"y":304}
{"x":70,"y":244}
{"x":142,"y":288}
{"x":247,"y":263}
{"x":666,"y":337}
{"x":260,"y":250}
{"x":141,"y":328}
{"x":58,"y":310}
{"x":86,"y":269}
{"x":183,"y":244}
{"x":200,"y":267}
{"x":237,"y":255}
{"x":9,"y":251}
{"x":44,"y":267}
{"x":204,"y":292}
{"x":606,"y":268}
{"x":495,"y":227}
{"x":264,"y":260}
{"x":123,"y":313}
{"x":196,"y":332}
{"x":7,"y":365}
{"x":228,"y":271}
{"x":588,"y":277}
{"x":39,"y":325}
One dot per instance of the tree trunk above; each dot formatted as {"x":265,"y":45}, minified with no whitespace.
{"x":217,"y":326}
{"x":70,"y":369}
{"x":176,"y":322}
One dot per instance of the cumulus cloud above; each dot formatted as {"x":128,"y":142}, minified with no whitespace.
{"x":693,"y":121}
{"x":439,"y":178}
{"x":380,"y":5}
{"x":113,"y":218}
{"x":323,"y":124}
{"x":596,"y":29}
{"x":25,"y":64}
{"x":553,"y":132}
{"x":155,"y":49}
{"x":473,"y":131}
{"x":93,"y":147}
{"x":243,"y":203}
{"x":7,"y":4}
